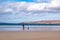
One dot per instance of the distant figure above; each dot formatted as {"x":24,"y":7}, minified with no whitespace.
{"x":23,"y":27}
{"x":28,"y":28}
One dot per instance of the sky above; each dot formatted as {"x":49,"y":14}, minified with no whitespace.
{"x":16,"y":11}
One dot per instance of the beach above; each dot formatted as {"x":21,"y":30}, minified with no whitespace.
{"x":30,"y":35}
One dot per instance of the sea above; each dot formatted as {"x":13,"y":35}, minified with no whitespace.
{"x":30,"y":27}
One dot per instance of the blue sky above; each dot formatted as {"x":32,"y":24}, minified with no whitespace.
{"x":22,"y":0}
{"x":16,"y":11}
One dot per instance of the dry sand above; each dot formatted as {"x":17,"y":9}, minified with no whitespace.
{"x":30,"y":35}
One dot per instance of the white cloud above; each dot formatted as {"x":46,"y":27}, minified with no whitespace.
{"x":54,"y":4}
{"x":40,"y":1}
{"x":8,"y":10}
{"x":52,"y":7}
{"x":27,"y":10}
{"x":31,"y":7}
{"x":37,"y":7}
{"x":14,"y":7}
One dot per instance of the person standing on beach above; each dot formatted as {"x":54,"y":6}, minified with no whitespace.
{"x":23,"y":27}
{"x":28,"y":28}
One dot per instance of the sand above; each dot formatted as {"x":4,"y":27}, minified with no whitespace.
{"x":29,"y":35}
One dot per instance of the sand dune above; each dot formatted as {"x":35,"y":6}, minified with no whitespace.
{"x":45,"y":22}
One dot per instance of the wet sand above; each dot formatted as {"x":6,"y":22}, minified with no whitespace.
{"x":30,"y":35}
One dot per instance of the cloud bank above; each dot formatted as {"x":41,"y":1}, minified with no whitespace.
{"x":17,"y":7}
{"x":36,"y":8}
